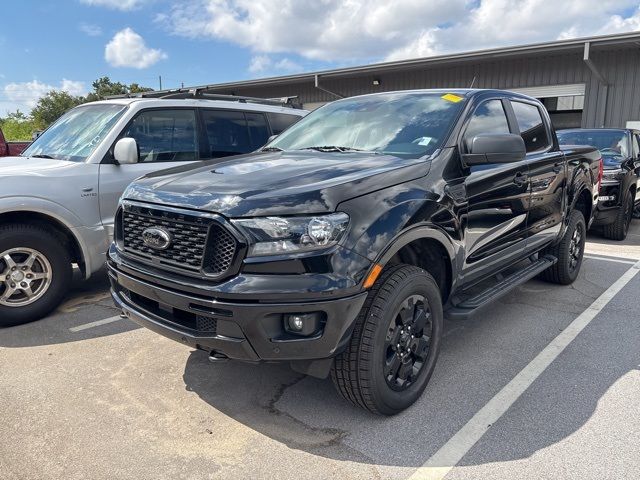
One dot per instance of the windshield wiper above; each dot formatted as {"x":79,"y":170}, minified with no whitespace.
{"x":333,"y":148}
{"x":271,"y":149}
{"x":42,"y":155}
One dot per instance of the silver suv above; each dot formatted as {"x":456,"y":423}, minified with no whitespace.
{"x":58,"y":199}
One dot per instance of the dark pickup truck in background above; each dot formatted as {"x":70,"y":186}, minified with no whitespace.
{"x":11,"y":149}
{"x":620,"y":150}
{"x":343,"y":243}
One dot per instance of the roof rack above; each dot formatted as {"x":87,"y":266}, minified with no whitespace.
{"x":206,"y":94}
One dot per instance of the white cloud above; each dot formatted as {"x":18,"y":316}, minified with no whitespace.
{"x":618,"y":23}
{"x":25,"y":95}
{"x":128,"y":49}
{"x":123,"y":5}
{"x":362,"y":30}
{"x":264,"y":64}
{"x":90,"y":29}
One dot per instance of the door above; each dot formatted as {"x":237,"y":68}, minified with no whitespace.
{"x":229,"y":132}
{"x":498,"y":197}
{"x":547,"y":175}
{"x":166,"y":138}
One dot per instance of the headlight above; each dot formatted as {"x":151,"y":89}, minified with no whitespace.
{"x":612,"y":175}
{"x":278,"y":235}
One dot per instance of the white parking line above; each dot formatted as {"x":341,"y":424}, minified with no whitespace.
{"x":97,"y":323}
{"x":441,"y":463}
{"x":628,"y":261}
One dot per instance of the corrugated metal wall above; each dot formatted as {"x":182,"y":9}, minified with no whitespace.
{"x":620,"y":67}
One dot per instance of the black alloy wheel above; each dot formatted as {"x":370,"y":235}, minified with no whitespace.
{"x":407,"y":343}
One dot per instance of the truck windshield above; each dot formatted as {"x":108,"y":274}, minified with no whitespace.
{"x":404,"y":124}
{"x":76,"y":134}
{"x":609,"y":142}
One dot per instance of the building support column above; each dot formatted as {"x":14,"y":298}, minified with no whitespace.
{"x":317,"y":85}
{"x":603,"y":86}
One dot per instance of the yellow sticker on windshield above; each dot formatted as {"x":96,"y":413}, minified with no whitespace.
{"x":452,"y":98}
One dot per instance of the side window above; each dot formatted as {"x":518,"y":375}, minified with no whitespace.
{"x":227,"y":132}
{"x":488,"y":118}
{"x":165,"y":135}
{"x":532,"y":128}
{"x":281,"y":121}
{"x":636,"y":146}
{"x":258,"y":129}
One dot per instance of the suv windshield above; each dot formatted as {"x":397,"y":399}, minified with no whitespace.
{"x":402,"y":124}
{"x":76,"y":134}
{"x":609,"y":142}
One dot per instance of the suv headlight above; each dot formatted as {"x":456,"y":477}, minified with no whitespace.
{"x":279,"y":235}
{"x":612,"y":176}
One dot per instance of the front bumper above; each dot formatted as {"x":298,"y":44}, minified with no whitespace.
{"x":607,"y":209}
{"x":250,"y":330}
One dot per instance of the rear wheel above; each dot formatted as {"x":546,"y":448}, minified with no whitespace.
{"x":618,"y":230}
{"x":395,"y":343}
{"x":35,"y":273}
{"x":569,"y":252}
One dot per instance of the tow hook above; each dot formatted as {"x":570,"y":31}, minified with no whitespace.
{"x":215,"y":357}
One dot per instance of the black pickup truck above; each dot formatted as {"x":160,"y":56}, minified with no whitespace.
{"x":620,"y":150}
{"x":342,"y":244}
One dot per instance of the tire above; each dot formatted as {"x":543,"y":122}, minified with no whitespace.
{"x":392,"y":306}
{"x":618,"y":230}
{"x":48,"y":278}
{"x":567,"y":268}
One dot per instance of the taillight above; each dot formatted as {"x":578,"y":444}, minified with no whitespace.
{"x":600,"y":172}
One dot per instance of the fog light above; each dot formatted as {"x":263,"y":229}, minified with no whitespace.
{"x":302,"y":323}
{"x":296,"y":322}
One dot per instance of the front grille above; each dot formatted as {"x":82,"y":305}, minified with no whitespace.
{"x":187,"y":244}
{"x":206,"y":324}
{"x":199,"y":244}
{"x":221,"y":249}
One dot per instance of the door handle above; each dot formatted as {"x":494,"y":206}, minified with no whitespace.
{"x":520,"y":179}
{"x":559,"y":167}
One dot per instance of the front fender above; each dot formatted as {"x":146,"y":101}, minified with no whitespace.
{"x":387,"y":220}
{"x":91,"y":240}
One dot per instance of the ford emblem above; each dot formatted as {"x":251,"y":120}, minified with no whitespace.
{"x":156,"y":238}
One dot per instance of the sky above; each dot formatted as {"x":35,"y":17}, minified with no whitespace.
{"x":67,"y":44}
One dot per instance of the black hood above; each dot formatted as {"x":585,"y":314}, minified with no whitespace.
{"x":278,"y":183}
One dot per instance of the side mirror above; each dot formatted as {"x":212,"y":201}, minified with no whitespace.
{"x":495,"y":148}
{"x":126,"y":151}
{"x":271,"y":138}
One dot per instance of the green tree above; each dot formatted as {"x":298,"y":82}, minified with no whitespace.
{"x":17,"y":126}
{"x":103,"y":87}
{"x":50,"y":107}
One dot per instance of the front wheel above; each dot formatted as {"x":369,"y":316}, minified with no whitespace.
{"x":35,"y":273}
{"x":619,"y":229}
{"x":395,"y":343}
{"x":569,"y":252}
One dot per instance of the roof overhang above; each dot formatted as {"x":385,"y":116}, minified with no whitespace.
{"x":576,"y":45}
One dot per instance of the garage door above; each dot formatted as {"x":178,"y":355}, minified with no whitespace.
{"x":569,"y":90}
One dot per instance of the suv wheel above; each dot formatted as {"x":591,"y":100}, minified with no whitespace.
{"x":569,"y":252}
{"x":618,"y":230}
{"x":395,"y":342}
{"x":35,"y":273}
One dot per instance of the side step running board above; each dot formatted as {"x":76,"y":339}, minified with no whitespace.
{"x":469,"y":306}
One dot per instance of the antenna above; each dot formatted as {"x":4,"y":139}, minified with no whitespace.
{"x":473,"y":81}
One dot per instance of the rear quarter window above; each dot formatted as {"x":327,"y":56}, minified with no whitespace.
{"x":281,"y":121}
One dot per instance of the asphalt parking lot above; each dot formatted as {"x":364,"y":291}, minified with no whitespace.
{"x":543,"y":385}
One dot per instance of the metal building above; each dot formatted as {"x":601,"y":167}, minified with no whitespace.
{"x":588,"y":82}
